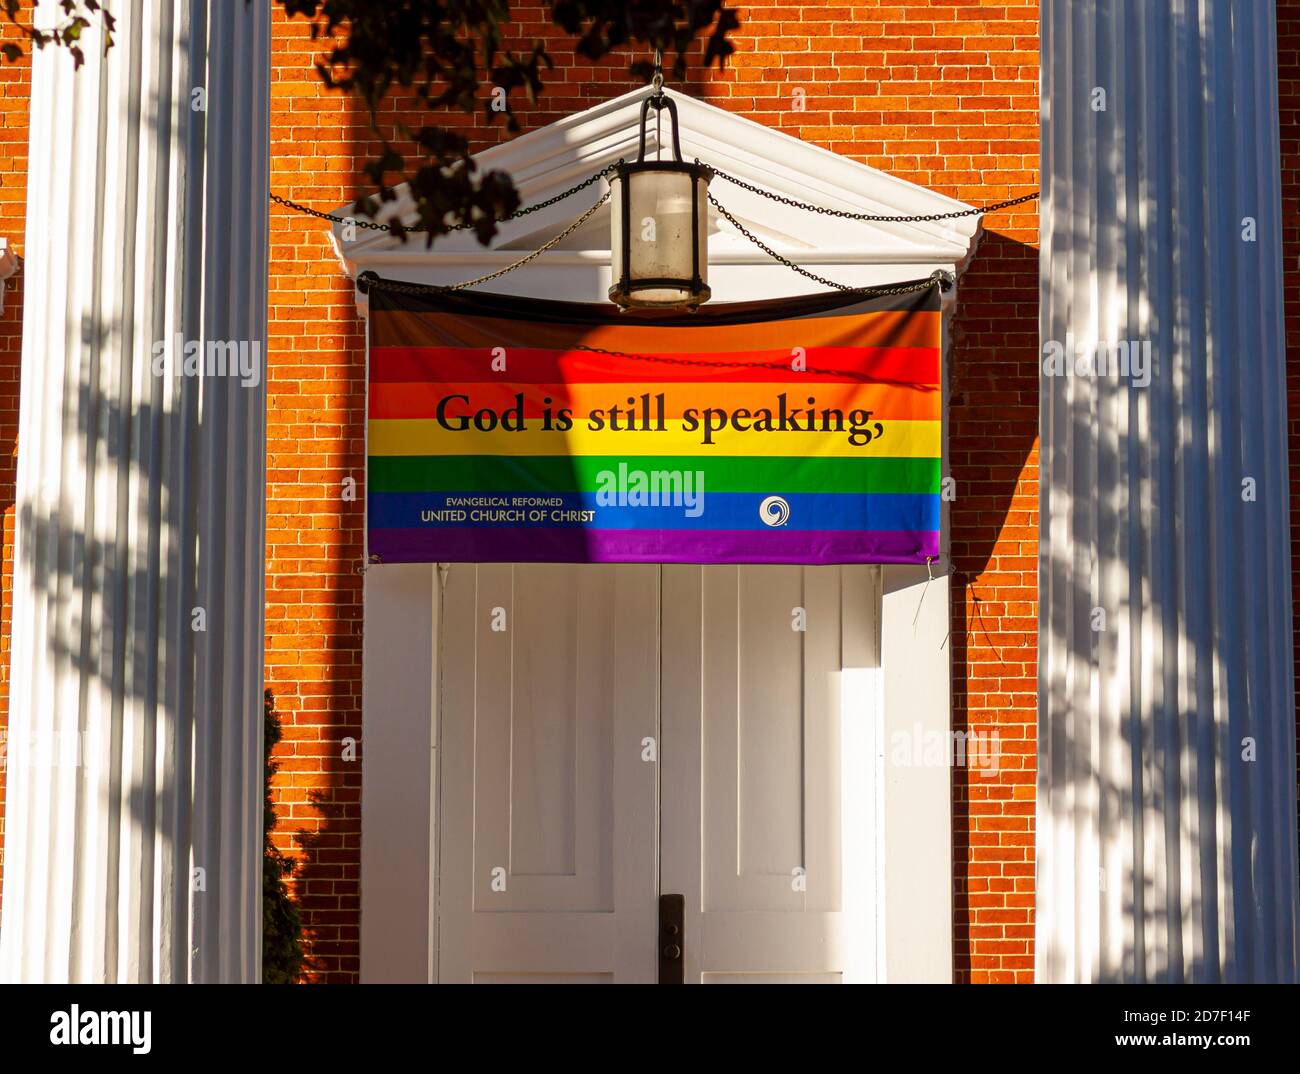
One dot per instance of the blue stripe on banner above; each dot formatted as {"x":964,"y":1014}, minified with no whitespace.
{"x":712,"y":511}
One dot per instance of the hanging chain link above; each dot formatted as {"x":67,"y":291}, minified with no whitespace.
{"x":783,"y":366}
{"x":841,"y":214}
{"x":373,"y":226}
{"x":308,"y":211}
{"x":427,"y":288}
{"x":867,"y":217}
{"x":941,"y":279}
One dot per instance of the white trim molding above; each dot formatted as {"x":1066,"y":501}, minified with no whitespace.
{"x":916,"y":659}
{"x":548,"y":161}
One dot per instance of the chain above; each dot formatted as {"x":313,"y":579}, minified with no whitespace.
{"x":784,"y":366}
{"x":898,"y":289}
{"x":844,"y":215}
{"x":426,"y":288}
{"x":663,"y":359}
{"x":372,"y":226}
{"x":396,"y":286}
{"x":608,"y":169}
{"x":938,"y":278}
{"x":307,"y":210}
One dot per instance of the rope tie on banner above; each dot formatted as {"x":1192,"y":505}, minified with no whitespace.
{"x":929,"y":577}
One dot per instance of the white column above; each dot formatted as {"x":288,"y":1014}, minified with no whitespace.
{"x":1167,"y":763}
{"x":133,"y":816}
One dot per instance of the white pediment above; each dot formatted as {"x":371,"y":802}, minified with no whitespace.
{"x":548,"y":161}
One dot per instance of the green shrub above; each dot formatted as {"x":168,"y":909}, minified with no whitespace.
{"x":282,"y":955}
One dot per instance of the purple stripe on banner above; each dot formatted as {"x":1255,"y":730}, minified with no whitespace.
{"x":569,"y":545}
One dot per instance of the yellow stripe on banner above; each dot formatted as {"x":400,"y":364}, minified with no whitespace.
{"x":901,"y":439}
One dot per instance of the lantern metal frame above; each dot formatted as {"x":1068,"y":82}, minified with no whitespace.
{"x":624,"y":287}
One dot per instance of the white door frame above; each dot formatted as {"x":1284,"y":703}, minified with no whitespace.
{"x":913,"y":845}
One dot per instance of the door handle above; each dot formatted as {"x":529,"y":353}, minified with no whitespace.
{"x":672,"y":939}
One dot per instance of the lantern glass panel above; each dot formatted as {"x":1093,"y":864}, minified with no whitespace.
{"x":664,"y":244}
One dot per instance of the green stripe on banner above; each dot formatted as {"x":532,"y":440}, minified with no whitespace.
{"x":555,"y":473}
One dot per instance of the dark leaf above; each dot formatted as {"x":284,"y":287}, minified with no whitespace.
{"x":452,"y":54}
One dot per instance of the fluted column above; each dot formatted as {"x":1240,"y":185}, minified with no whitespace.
{"x":1166,"y":820}
{"x":134,"y":785}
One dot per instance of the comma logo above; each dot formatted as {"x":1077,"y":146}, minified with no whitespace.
{"x":774,"y":511}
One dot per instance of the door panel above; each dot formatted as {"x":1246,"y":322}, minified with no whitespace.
{"x":547,"y":811}
{"x":751,"y":764}
{"x":542,"y":732}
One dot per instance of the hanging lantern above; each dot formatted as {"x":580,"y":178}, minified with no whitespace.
{"x":659,"y":221}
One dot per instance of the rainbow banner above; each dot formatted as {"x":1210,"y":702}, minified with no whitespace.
{"x":520,"y":430}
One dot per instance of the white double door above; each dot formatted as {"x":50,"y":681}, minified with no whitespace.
{"x":609,"y":734}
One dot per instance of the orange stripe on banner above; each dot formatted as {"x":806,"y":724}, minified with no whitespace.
{"x":885,"y":401}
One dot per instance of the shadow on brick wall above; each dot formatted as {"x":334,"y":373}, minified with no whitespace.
{"x":993,"y":432}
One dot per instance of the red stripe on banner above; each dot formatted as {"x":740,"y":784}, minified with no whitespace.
{"x":912,"y":366}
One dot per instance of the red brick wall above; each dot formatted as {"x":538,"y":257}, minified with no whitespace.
{"x":1288,"y":77}
{"x":15,"y":88}
{"x":315,"y":437}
